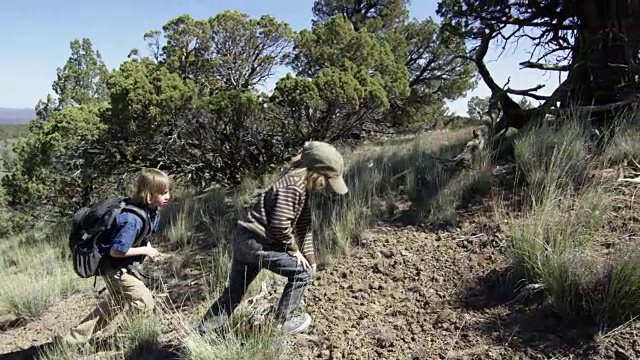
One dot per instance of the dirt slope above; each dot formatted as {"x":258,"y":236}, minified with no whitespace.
{"x":400,"y":297}
{"x":407,"y":293}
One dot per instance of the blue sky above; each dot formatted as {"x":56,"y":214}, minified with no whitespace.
{"x":36,"y":36}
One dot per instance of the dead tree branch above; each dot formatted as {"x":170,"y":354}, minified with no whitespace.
{"x":549,"y":67}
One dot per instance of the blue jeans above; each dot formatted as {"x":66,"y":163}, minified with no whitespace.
{"x":244,"y":270}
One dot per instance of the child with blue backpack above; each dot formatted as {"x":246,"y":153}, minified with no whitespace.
{"x":127,"y":243}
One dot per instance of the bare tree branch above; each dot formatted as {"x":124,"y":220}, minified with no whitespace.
{"x":551,"y":67}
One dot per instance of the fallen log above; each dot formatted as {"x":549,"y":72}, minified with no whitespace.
{"x":473,"y":148}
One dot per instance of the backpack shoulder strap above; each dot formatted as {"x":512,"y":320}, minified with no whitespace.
{"x":146,"y":223}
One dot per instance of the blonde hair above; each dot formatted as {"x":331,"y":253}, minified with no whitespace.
{"x":150,"y":183}
{"x":313,"y":180}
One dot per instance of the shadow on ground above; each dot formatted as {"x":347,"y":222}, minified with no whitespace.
{"x":11,"y":322}
{"x":33,"y":352}
{"x":530,"y":325}
{"x":142,"y":352}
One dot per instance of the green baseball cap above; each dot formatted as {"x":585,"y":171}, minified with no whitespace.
{"x":325,"y":159}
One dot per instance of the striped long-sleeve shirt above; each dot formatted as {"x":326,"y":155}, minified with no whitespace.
{"x":282,"y":217}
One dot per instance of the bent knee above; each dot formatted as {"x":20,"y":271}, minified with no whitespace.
{"x":303,"y":277}
{"x":144,"y":303}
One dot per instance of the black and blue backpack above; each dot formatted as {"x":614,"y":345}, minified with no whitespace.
{"x":91,"y":227}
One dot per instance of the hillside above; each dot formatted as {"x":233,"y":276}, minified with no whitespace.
{"x":419,"y":262}
{"x":511,"y":233}
{"x":16,"y":116}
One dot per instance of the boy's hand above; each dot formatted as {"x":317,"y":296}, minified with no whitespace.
{"x":153,"y":253}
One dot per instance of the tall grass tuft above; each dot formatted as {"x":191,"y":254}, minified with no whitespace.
{"x":568,"y":208}
{"x":36,"y":272}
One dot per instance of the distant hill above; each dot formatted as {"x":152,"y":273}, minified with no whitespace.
{"x":16,"y":116}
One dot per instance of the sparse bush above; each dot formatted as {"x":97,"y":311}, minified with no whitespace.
{"x":58,"y":351}
{"x":625,"y":145}
{"x":34,"y":277}
{"x":143,"y":335}
{"x":240,"y":341}
{"x":553,"y":159}
{"x":553,"y":243}
{"x":621,"y":284}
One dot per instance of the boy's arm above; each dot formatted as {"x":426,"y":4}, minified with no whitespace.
{"x":125,"y":231}
{"x":136,"y":251}
{"x":282,"y":217}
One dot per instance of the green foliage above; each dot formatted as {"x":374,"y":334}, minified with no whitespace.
{"x":525,"y":104}
{"x":435,"y":69}
{"x":374,"y":15}
{"x":157,"y":119}
{"x":353,"y":74}
{"x":145,"y":100}
{"x":48,"y":168}
{"x":9,"y":134}
{"x":229,"y":137}
{"x":192,"y":108}
{"x":478,"y":108}
{"x":229,"y":50}
{"x":82,"y":80}
{"x":12,"y":131}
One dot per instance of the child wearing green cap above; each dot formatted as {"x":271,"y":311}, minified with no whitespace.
{"x":276,"y":235}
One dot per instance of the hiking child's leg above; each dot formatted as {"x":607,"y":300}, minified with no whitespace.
{"x":125,"y":290}
{"x":298,"y":279}
{"x":135,"y":293}
{"x":241,"y":276}
{"x":95,"y":321}
{"x":101,"y":315}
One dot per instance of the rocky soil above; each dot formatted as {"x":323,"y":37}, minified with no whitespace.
{"x":409,"y":293}
{"x":413,"y":294}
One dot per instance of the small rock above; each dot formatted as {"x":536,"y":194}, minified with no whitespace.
{"x":387,"y":253}
{"x":399,"y":275}
{"x":621,"y":354}
{"x":444,"y":317}
{"x":377,"y":268}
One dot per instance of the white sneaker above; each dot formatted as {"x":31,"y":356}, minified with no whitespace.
{"x":297,"y":323}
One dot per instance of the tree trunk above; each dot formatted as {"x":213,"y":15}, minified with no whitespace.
{"x":605,"y":53}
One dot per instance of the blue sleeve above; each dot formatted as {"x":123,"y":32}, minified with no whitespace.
{"x":156,"y":224}
{"x":126,"y":228}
